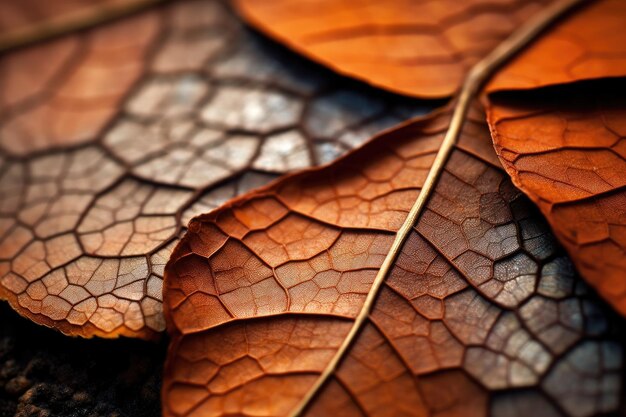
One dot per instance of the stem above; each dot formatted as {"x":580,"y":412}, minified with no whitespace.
{"x":475,"y":79}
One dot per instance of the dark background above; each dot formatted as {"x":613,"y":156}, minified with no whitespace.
{"x":46,"y":374}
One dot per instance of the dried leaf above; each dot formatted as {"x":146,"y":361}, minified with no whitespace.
{"x":590,"y":43}
{"x":408,"y":278}
{"x":479,"y":313}
{"x":419,"y":48}
{"x":100,"y":172}
{"x":564,"y":147}
{"x":26,"y":21}
{"x":63,"y":93}
{"x":586,"y":45}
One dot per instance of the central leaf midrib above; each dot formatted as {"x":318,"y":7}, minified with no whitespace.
{"x":477,"y":76}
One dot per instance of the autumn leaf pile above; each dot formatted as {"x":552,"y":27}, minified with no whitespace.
{"x":423,"y":214}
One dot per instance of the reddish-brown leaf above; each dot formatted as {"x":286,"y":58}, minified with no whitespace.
{"x":565,"y":148}
{"x":480,"y":314}
{"x":417,"y":47}
{"x":26,"y":21}
{"x":590,"y":43}
{"x":114,"y":138}
{"x":63,"y":93}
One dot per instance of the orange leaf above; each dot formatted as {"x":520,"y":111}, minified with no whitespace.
{"x":408,"y":278}
{"x":590,"y":43}
{"x":112,"y":139}
{"x":565,"y":148}
{"x":418,"y":48}
{"x":292,"y":298}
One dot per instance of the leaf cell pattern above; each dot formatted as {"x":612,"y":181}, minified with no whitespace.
{"x":480,"y":315}
{"x":564,"y":147}
{"x":26,"y":21}
{"x":63,"y":93}
{"x":588,"y":44}
{"x":417,"y":48}
{"x":133,"y":128}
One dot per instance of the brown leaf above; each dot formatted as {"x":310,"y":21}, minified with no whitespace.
{"x":114,"y":138}
{"x":292,"y":296}
{"x":26,"y":21}
{"x":590,"y":43}
{"x":408,"y":278}
{"x":587,"y":44}
{"x":419,"y":48}
{"x":564,"y":147}
{"x":63,"y":93}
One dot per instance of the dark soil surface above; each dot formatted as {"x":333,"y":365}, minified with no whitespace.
{"x":46,"y":374}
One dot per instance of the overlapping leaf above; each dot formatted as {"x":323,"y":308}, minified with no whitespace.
{"x":301,"y":288}
{"x":26,"y":21}
{"x":588,"y":44}
{"x":564,"y":146}
{"x":416,"y":47}
{"x":63,"y":93}
{"x":112,"y":139}
{"x":307,"y":289}
{"x":480,"y":314}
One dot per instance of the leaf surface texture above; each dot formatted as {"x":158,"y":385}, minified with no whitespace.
{"x":589,"y":43}
{"x":481,"y":313}
{"x":26,"y":21}
{"x":114,"y":138}
{"x":564,"y":147}
{"x":419,"y":48}
{"x":562,"y":142}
